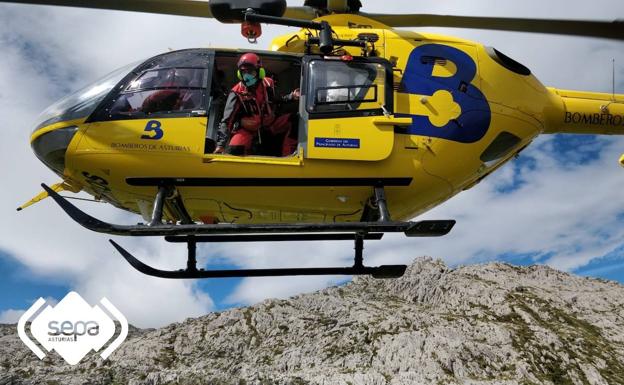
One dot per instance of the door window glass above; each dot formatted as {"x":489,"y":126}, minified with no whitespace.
{"x":340,"y":86}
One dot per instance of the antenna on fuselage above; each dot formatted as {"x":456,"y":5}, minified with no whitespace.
{"x":613,"y":80}
{"x":605,"y":109}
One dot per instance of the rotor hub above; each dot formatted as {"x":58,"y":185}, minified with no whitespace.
{"x":324,"y":7}
{"x":228,"y":11}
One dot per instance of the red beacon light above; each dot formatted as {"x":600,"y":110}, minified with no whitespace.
{"x":339,"y":58}
{"x":251,"y":31}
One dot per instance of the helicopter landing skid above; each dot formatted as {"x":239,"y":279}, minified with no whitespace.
{"x":230,"y":232}
{"x":191,"y":271}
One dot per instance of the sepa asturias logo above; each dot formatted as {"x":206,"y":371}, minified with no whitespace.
{"x":72,"y":328}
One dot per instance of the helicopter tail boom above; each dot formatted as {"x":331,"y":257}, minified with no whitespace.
{"x":579,"y":112}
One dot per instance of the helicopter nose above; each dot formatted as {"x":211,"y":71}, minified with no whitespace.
{"x":51,"y":147}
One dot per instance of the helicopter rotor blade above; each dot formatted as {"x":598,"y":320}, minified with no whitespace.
{"x":200,"y":8}
{"x":195,"y":8}
{"x":167,"y":7}
{"x":603,"y":29}
{"x":303,"y":13}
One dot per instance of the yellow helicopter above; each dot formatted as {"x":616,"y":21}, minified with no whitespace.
{"x":390,"y":123}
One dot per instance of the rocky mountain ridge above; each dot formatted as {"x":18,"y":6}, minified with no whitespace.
{"x":480,"y":324}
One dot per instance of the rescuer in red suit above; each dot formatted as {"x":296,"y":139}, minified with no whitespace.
{"x":249,"y":113}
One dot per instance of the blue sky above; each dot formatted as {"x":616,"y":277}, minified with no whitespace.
{"x":559,"y":203}
{"x":19,"y":288}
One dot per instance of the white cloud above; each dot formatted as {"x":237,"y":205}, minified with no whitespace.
{"x":47,"y":51}
{"x":253,"y":290}
{"x":10,"y":316}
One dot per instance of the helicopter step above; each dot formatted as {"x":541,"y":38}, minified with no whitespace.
{"x":276,"y":232}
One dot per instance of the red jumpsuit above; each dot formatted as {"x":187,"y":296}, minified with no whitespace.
{"x":248,"y":114}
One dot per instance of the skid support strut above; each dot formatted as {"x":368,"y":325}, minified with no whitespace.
{"x":358,"y":263}
{"x":380,"y":199}
{"x":159,"y":203}
{"x":376,"y":209}
{"x":191,"y":262}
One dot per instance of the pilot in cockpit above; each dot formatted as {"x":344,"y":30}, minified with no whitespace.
{"x":172,"y":96}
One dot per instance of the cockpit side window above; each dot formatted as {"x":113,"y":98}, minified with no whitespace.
{"x":162,"y":91}
{"x":337,"y":86}
{"x":170,"y":85}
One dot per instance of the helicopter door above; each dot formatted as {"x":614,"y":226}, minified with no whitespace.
{"x":344,"y":101}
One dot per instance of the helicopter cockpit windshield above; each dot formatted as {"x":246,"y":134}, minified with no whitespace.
{"x":83,"y":102}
